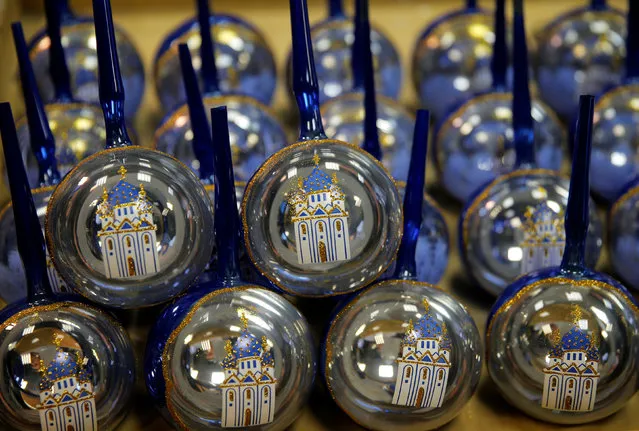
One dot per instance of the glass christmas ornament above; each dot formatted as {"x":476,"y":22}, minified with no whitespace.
{"x":78,"y":46}
{"x":580,"y":52}
{"x":64,"y":363}
{"x":403,"y":354}
{"x":614,"y":137}
{"x":126,"y":226}
{"x":321,"y":217}
{"x":229,"y":354}
{"x":623,"y":235}
{"x":244,"y":62}
{"x":513,"y":225}
{"x":332,"y":40}
{"x":474,"y":143}
{"x":563,"y":342}
{"x":347,"y":116}
{"x":255,"y":131}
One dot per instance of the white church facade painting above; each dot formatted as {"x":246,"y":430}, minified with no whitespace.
{"x":423,"y":364}
{"x":570,"y":380}
{"x":67,"y":402}
{"x":128,"y":233}
{"x":320,"y":219}
{"x":248,"y":389}
{"x":544,"y":238}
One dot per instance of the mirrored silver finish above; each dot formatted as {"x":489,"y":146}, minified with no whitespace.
{"x":28,"y":339}
{"x":363,"y":344}
{"x":623,"y":237}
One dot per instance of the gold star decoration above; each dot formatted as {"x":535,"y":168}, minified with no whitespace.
{"x":122,"y":172}
{"x":426,"y":305}
{"x":316,"y":159}
{"x":243,"y":319}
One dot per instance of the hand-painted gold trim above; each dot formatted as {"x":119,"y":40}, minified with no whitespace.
{"x":36,"y":191}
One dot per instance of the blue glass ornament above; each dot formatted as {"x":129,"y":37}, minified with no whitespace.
{"x":623,"y":235}
{"x":229,"y":353}
{"x":579,"y":52}
{"x":255,"y":131}
{"x":321,"y":217}
{"x":403,"y":354}
{"x":64,"y":362}
{"x":332,"y":40}
{"x":563,"y":342}
{"x":126,"y":227}
{"x":513,"y":224}
{"x":347,"y":116}
{"x":614,"y":137}
{"x":474,"y":143}
{"x":78,"y":46}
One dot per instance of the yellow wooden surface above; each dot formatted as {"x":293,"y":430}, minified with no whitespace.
{"x":148,"y":21}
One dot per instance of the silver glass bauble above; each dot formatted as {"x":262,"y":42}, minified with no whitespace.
{"x":623,"y":236}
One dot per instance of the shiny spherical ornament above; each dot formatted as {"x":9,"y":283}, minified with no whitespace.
{"x":475,"y":144}
{"x":614,"y":142}
{"x":245,"y":63}
{"x":343,"y":119}
{"x":580,"y":53}
{"x":64,"y":340}
{"x":187,"y":378}
{"x":171,"y":218}
{"x":78,"y":40}
{"x":254,"y":130}
{"x":496,"y":226}
{"x":371,"y":336}
{"x":623,"y":238}
{"x":549,"y":319}
{"x":373,"y":218}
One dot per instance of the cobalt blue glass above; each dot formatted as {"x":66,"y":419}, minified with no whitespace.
{"x":513,"y":224}
{"x":623,"y":235}
{"x":474,"y":143}
{"x":563,"y":342}
{"x":57,"y":352}
{"x":128,"y":224}
{"x":229,"y":353}
{"x":403,"y":354}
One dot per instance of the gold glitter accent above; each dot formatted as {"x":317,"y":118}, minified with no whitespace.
{"x":410,"y":328}
{"x":264,"y":343}
{"x":57,"y":340}
{"x":243,"y":318}
{"x":555,"y":336}
{"x":575,"y":314}
{"x":622,"y":200}
{"x":426,"y":305}
{"x":316,"y":159}
{"x":122,"y":172}
{"x":8,"y":205}
{"x":228,"y":347}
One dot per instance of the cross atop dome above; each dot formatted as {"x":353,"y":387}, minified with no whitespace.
{"x":122,"y":171}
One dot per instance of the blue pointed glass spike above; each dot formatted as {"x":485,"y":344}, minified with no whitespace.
{"x":414,"y":199}
{"x":577,"y":211}
{"x":363,"y":35}
{"x":63,"y":7}
{"x":632,"y":41}
{"x":207,"y":49}
{"x":58,"y":68}
{"x":202,"y":144}
{"x":598,"y":4}
{"x":111,"y":86}
{"x":227,"y":220}
{"x":471,"y":4}
{"x":28,"y":230}
{"x":523,"y":126}
{"x":305,"y":85}
{"x":499,"y":61}
{"x":335,"y":8}
{"x":40,"y":136}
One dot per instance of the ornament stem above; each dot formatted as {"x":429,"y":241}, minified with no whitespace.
{"x":58,"y":69}
{"x":227,"y":220}
{"x":577,"y":211}
{"x":363,"y":43}
{"x":523,"y":125}
{"x":305,"y":84}
{"x":598,"y":4}
{"x":28,"y":230}
{"x":632,"y":41}
{"x":499,"y":62}
{"x":202,"y":141}
{"x":335,"y":8}
{"x":471,"y":4}
{"x":40,"y":136}
{"x":111,"y":85}
{"x":414,"y":199}
{"x":207,"y":49}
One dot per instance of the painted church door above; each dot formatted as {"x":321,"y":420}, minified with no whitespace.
{"x":70,"y":428}
{"x":420,"y":397}
{"x":247,"y":417}
{"x":322,"y":251}
{"x":568,"y":404}
{"x":131,"y":264}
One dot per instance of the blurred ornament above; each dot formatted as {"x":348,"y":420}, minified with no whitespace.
{"x":513,"y":225}
{"x":385,"y":371}
{"x":77,"y":44}
{"x":228,"y":342}
{"x":321,"y":217}
{"x":580,"y":52}
{"x":255,"y":131}
{"x":65,"y":364}
{"x":126,"y":226}
{"x":474,"y":144}
{"x":563,"y":342}
{"x":623,"y":235}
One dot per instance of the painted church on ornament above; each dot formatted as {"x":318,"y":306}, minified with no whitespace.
{"x":544,"y":239}
{"x":320,"y":218}
{"x":127,"y":234}
{"x":423,"y":364}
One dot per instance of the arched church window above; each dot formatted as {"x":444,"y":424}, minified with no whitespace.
{"x":440,"y":374}
{"x":587,"y":384}
{"x":266,"y":391}
{"x":553,"y":383}
{"x":546,"y":252}
{"x":530,"y":252}
{"x":231,"y":396}
{"x":338,"y":225}
{"x":68,"y":412}
{"x":304,"y":229}
{"x":424,"y":373}
{"x":321,"y":227}
{"x":86,"y":407}
{"x":571,"y":384}
{"x":146,"y":239}
{"x":128,"y":241}
{"x":50,"y":415}
{"x":110,"y":244}
{"x":248,"y":395}
{"x":408,"y":372}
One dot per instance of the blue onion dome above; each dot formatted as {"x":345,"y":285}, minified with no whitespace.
{"x":575,"y":339}
{"x":318,"y":180}
{"x":427,"y":326}
{"x":247,"y":345}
